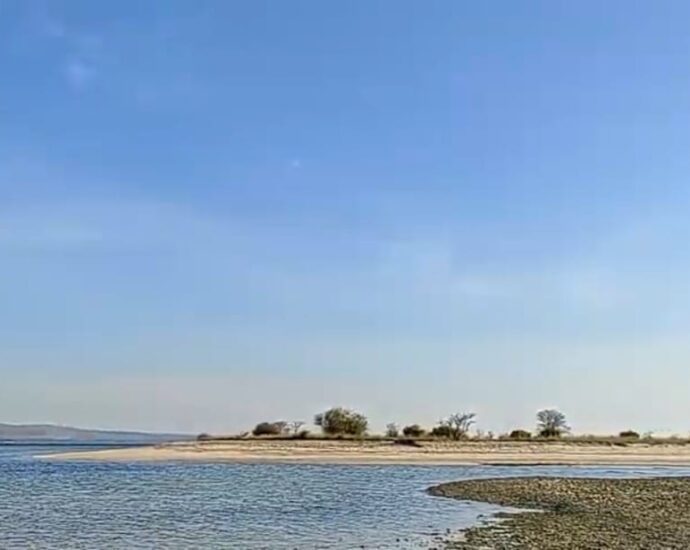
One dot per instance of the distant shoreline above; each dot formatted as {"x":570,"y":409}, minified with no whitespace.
{"x":325,"y":451}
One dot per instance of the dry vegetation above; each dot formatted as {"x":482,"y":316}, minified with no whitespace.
{"x":339,"y":423}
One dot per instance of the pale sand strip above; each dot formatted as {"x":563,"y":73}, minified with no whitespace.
{"x":385,"y":452}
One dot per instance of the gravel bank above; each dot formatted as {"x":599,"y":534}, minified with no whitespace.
{"x":583,"y":514}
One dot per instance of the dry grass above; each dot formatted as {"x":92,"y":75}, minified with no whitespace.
{"x":568,"y":440}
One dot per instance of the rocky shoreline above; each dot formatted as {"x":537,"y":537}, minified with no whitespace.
{"x":571,"y":513}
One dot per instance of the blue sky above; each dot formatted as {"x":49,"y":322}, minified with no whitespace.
{"x":216,"y":213}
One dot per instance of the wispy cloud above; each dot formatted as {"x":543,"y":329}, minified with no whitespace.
{"x":481,"y":287}
{"x":78,"y":50}
{"x":52,"y":28}
{"x":369,"y":281}
{"x":31,"y":231}
{"x":78,"y":74}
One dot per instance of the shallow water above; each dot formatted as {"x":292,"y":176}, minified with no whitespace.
{"x":46,"y":504}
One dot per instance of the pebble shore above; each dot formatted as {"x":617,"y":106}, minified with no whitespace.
{"x":569,"y":513}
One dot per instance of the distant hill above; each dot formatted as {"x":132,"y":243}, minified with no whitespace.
{"x":52,"y":432}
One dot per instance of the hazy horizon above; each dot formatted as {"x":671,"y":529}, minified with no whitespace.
{"x":218,"y":213}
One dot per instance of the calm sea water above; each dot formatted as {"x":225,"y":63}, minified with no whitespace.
{"x":46,"y":504}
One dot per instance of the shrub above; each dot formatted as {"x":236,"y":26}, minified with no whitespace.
{"x":629,"y":434}
{"x":442,"y":430}
{"x":269,"y":428}
{"x":413,"y":430}
{"x":392,"y":430}
{"x":551,"y":423}
{"x":340,"y":421}
{"x":302,"y":434}
{"x":203,"y":437}
{"x":520,"y":434}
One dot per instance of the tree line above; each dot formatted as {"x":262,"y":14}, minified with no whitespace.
{"x":340,"y":421}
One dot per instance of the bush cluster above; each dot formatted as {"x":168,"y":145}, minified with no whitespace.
{"x":269,"y":428}
{"x":413,"y":430}
{"x":520,"y":434}
{"x":341,"y":421}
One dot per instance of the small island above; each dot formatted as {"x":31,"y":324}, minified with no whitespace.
{"x":344,"y":439}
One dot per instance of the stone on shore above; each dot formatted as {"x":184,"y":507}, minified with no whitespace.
{"x":571,"y":513}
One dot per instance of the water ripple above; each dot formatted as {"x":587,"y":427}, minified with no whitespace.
{"x":249,"y":506}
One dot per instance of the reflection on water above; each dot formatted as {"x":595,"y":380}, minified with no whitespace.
{"x":249,"y":506}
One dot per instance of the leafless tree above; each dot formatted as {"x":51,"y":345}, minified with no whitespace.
{"x":392,"y":430}
{"x":295,"y":426}
{"x":459,"y":424}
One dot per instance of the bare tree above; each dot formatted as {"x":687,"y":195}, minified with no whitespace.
{"x":456,"y":426}
{"x":392,"y":430}
{"x":295,"y":426}
{"x":460,"y":424}
{"x":551,"y":423}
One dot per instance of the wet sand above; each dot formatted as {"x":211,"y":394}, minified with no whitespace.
{"x":387,"y":452}
{"x":631,"y":514}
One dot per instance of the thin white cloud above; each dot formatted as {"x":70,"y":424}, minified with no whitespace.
{"x":68,"y":224}
{"x":592,"y":289}
{"x":19,"y":232}
{"x":53,"y":28}
{"x":78,"y":74}
{"x":79,"y":51}
{"x":480,"y":287}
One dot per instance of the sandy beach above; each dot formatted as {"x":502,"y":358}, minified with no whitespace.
{"x":389,"y":452}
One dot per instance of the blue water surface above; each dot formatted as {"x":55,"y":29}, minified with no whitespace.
{"x":52,"y":504}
